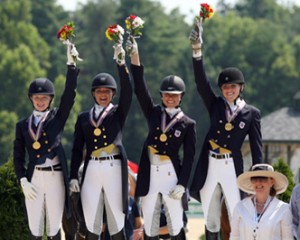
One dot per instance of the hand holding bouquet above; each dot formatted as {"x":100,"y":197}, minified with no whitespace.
{"x":134,"y":24}
{"x":206,"y":12}
{"x":115,"y":33}
{"x":65,"y":34}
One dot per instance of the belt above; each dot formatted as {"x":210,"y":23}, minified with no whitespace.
{"x":109,"y":157}
{"x":220,"y":156}
{"x":56,"y":167}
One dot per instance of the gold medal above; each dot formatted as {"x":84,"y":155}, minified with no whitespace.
{"x":97,"y":132}
{"x":228,"y":126}
{"x":36,"y":145}
{"x":163,"y":137}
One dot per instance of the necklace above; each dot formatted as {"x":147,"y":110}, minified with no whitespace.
{"x":258,"y":204}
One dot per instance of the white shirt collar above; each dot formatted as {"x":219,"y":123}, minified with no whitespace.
{"x":172,"y":111}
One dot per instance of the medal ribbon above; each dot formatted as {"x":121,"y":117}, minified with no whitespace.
{"x":232,"y":115}
{"x":257,"y":218}
{"x":33,"y":135}
{"x":165,"y":128}
{"x":102,"y":116}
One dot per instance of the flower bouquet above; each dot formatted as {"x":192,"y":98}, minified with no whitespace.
{"x":115,"y":33}
{"x":134,"y":24}
{"x":206,"y":12}
{"x":65,"y":34}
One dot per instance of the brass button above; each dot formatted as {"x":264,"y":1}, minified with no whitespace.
{"x":105,"y":144}
{"x":49,"y":149}
{"x":38,"y":156}
{"x":96,"y":147}
{"x":46,"y":142}
{"x":95,"y":140}
{"x":104,"y":136}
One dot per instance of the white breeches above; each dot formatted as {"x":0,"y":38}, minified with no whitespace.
{"x":102,"y":186}
{"x":49,"y":204}
{"x":221,"y":178}
{"x":163,"y":179}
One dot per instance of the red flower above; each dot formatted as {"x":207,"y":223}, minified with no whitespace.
{"x":66,"y":32}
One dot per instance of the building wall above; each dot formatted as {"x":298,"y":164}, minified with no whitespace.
{"x":290,"y":153}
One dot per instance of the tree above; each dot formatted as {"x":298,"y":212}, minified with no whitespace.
{"x":284,"y":168}
{"x":7,"y":125}
{"x":13,"y":222}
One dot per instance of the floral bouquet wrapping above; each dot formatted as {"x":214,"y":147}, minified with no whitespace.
{"x":65,"y":34}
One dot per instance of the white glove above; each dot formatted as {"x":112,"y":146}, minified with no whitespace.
{"x":119,"y":54}
{"x":70,"y":58}
{"x":29,"y":190}
{"x":196,"y":39}
{"x":131,"y":46}
{"x":177,"y":192}
{"x":74,"y":186}
{"x":72,"y":54}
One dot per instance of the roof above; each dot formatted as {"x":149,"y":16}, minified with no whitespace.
{"x":282,"y":125}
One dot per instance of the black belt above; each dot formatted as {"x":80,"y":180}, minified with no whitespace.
{"x":110,"y":157}
{"x":56,"y":167}
{"x":220,"y":156}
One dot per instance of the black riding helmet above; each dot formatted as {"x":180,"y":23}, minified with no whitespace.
{"x":41,"y":86}
{"x":104,"y":80}
{"x":172,"y":84}
{"x":231,"y":75}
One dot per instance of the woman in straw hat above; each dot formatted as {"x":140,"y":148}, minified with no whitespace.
{"x":262,"y":216}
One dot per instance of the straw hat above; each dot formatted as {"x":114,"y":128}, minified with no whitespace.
{"x":262,"y":170}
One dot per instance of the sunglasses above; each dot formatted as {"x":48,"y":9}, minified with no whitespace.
{"x":260,"y":179}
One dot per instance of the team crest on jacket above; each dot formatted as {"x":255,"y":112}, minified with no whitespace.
{"x":242,"y":125}
{"x":177,"y":133}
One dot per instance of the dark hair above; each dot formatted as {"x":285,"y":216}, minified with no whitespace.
{"x":272,"y":191}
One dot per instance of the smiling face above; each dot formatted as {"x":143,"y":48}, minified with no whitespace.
{"x":231,"y":91}
{"x":103,"y":96}
{"x":171,"y":100}
{"x":41,"y":102}
{"x":262,"y":185}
